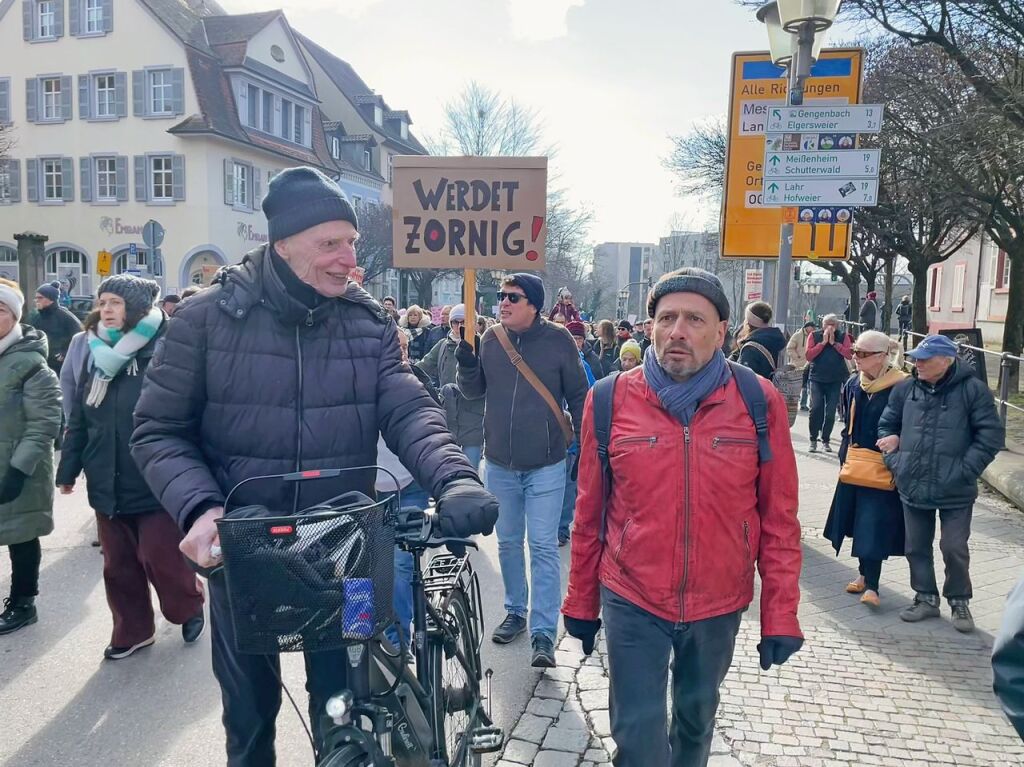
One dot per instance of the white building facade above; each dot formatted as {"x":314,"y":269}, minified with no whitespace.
{"x":164,"y":110}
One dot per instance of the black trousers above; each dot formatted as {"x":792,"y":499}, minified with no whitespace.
{"x":25,"y":560}
{"x":824,"y":401}
{"x":640,"y":647}
{"x":871,"y":569}
{"x":956,"y":531}
{"x":251,"y":690}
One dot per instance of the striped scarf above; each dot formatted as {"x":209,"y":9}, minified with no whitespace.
{"x":111,"y":351}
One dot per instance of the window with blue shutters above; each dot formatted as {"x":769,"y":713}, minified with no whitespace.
{"x":5,"y":100}
{"x":48,"y":99}
{"x":158,"y":92}
{"x":42,"y":20}
{"x":91,"y":18}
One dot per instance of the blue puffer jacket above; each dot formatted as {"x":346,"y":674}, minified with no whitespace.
{"x":248,"y":381}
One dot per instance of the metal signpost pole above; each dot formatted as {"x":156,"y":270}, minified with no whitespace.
{"x":799,"y":71}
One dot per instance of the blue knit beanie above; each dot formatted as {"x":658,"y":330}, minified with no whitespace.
{"x":301,"y":198}
{"x":48,"y":291}
{"x":532,"y":286}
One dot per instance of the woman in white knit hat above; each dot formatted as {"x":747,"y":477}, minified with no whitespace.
{"x":29,"y":422}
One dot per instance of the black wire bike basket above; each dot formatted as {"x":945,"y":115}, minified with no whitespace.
{"x":316,"y":580}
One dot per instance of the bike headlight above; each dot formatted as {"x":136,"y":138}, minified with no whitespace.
{"x":338,"y":706}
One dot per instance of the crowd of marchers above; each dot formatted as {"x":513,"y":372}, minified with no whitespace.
{"x":537,"y":425}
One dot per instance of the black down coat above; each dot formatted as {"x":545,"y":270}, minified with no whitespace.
{"x":873,"y":518}
{"x":948,"y":434}
{"x":248,"y":381}
{"x":97,"y":442}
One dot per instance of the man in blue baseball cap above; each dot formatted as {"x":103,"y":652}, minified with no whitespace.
{"x":938,"y":433}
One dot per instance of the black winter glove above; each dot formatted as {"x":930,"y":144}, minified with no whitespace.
{"x":583,"y":630}
{"x":465,"y":355}
{"x":12,"y":484}
{"x":777,"y":650}
{"x":465,"y":508}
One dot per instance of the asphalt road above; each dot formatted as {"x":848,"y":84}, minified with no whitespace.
{"x":62,"y":704}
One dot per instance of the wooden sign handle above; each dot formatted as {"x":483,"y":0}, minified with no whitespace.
{"x":469,"y":298}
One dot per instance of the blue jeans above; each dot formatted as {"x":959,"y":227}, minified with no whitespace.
{"x":531,"y":505}
{"x":474,"y":453}
{"x":568,"y":501}
{"x":401,"y":600}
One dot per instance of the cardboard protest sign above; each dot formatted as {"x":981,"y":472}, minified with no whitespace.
{"x":470,"y":212}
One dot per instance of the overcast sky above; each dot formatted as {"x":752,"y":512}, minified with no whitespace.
{"x":611,"y":79}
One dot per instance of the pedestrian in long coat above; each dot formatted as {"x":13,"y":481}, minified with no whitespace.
{"x":139,"y":538}
{"x":29,"y":422}
{"x":873,"y":518}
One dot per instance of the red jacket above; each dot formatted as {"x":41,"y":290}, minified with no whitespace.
{"x":689,"y":514}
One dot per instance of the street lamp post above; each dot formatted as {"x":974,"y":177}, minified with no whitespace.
{"x":795,"y":35}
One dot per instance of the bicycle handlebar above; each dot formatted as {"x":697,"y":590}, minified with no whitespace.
{"x":418,"y":530}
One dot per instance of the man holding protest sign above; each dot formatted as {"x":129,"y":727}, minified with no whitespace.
{"x":488,"y":213}
{"x":526,"y":368}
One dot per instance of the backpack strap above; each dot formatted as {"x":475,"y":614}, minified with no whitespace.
{"x":757,"y":406}
{"x":31,"y":373}
{"x":602,"y":404}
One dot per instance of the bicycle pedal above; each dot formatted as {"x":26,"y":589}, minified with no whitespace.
{"x":487,"y":740}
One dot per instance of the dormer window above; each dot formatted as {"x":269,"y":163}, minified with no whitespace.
{"x":335,"y":148}
{"x":403,"y":129}
{"x":378,"y":115}
{"x":367,"y":159}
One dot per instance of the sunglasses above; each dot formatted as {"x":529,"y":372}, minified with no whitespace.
{"x":861,"y":355}
{"x":457,"y":322}
{"x":513,"y":298}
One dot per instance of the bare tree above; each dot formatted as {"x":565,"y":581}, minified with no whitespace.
{"x":698,"y":159}
{"x":6,"y":141}
{"x":375,"y":247}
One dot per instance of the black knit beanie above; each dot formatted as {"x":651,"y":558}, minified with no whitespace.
{"x":139,"y":294}
{"x":532,"y":286}
{"x":690,"y":279}
{"x":301,"y":198}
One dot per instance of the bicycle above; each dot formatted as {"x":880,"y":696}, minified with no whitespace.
{"x":294,"y":579}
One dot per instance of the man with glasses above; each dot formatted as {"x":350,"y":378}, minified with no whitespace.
{"x":525,"y":452}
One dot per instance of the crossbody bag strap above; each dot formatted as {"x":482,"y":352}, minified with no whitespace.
{"x":767,"y":355}
{"x":520,"y":364}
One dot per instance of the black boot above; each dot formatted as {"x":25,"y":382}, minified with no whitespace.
{"x":18,"y":613}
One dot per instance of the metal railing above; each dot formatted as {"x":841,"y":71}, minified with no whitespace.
{"x":1006,"y":361}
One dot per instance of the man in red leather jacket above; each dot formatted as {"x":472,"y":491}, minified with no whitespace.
{"x":690,"y":514}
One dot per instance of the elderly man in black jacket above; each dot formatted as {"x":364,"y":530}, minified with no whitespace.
{"x":938,"y":433}
{"x":285,"y":365}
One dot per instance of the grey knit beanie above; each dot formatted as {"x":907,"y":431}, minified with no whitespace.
{"x":690,"y":279}
{"x":300,"y":198}
{"x":138,"y":293}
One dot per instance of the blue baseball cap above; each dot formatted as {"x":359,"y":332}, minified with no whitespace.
{"x":933,"y":346}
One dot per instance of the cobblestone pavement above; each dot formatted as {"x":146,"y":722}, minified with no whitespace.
{"x":866,"y":689}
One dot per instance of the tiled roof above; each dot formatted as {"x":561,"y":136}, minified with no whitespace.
{"x":236,"y":29}
{"x":218,"y":116}
{"x":358,"y":92}
{"x":398,"y":114}
{"x":332,"y":125}
{"x":362,"y":138}
{"x":184,"y":18}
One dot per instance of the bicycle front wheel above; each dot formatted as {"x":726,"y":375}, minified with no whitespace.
{"x":351,"y":755}
{"x":455,"y":683}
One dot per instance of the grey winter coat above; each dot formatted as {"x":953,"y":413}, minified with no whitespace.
{"x":249,"y":381}
{"x":948,"y":434}
{"x":29,"y":422}
{"x":520,"y":430}
{"x":465,"y":416}
{"x":440,"y":362}
{"x":1008,"y":659}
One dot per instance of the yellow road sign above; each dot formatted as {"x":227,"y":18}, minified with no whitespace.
{"x":749,"y":229}
{"x":103,"y":263}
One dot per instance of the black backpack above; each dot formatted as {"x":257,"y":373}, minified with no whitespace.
{"x":603,"y":405}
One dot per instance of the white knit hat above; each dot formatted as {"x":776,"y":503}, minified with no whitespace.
{"x":458,"y":312}
{"x":12,"y":298}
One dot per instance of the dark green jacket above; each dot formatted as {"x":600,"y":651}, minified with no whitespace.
{"x":948,"y":434}
{"x":29,"y":422}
